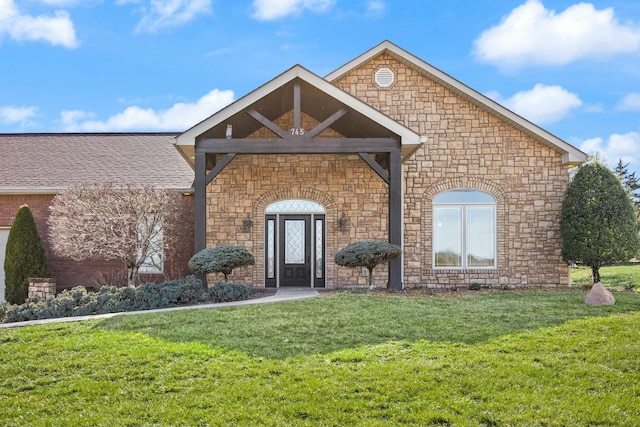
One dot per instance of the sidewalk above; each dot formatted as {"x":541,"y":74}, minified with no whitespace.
{"x":282,"y":295}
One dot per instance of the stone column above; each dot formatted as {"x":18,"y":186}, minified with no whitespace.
{"x":41,"y":287}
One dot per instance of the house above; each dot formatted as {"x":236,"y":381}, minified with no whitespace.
{"x":36,"y":167}
{"x":385,"y":147}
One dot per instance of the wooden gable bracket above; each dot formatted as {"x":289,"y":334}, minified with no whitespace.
{"x":375,"y":166}
{"x":268,"y":123}
{"x":217,"y":168}
{"x":297,"y":120}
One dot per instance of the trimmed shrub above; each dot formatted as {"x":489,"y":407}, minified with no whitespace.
{"x":225,"y":292}
{"x":24,"y":258}
{"x":220,"y":259}
{"x":368,"y":254}
{"x":171,"y":293}
{"x":109,"y":299}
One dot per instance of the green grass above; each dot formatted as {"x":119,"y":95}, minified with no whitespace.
{"x":346,"y":321}
{"x":505,"y":359}
{"x":619,"y":276}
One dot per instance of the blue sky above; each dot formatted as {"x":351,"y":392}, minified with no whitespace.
{"x":145,"y":65}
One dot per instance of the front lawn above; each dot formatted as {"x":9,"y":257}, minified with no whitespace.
{"x":619,"y":276}
{"x":502,"y":359}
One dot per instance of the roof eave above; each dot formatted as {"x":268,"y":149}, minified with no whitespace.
{"x":573,"y":159}
{"x":55,"y":190}
{"x":407,"y":136}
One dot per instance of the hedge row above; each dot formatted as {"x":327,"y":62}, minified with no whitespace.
{"x":110,"y":299}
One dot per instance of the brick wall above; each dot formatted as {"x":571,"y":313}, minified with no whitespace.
{"x":468,"y":147}
{"x":69,"y":273}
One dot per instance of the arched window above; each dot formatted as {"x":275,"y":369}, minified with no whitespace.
{"x":464,"y":230}
{"x":295,"y":206}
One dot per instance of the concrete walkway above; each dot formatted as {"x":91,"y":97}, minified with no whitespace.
{"x":282,"y":295}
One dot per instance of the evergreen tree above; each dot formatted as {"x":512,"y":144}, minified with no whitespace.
{"x":598,"y":221}
{"x":630,"y":182}
{"x":24,"y":258}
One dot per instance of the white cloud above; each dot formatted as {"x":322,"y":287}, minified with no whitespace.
{"x":542,"y":104}
{"x":70,"y":119}
{"x":17,"y":115}
{"x":618,"y":146}
{"x":266,"y":10}
{"x":376,"y":7}
{"x":631,"y":102}
{"x":57,"y":29}
{"x":179,"y":117}
{"x":67,"y":3}
{"x":163,"y":14}
{"x":534,"y":35}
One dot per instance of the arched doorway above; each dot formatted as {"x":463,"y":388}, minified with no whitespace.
{"x":295,"y":243}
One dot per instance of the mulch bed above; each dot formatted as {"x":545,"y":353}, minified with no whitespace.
{"x":415,"y":292}
{"x":428,"y":292}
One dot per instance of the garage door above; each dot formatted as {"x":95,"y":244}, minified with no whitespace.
{"x":4,"y":235}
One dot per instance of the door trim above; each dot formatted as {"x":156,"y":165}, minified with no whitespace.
{"x":273,"y":248}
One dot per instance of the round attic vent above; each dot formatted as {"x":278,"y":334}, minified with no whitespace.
{"x":384,"y":77}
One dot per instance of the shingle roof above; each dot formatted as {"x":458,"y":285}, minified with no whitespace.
{"x":49,"y":163}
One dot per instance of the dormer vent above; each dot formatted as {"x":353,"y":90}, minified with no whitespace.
{"x":384,"y":77}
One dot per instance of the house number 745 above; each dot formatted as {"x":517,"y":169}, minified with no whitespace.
{"x":297,"y":131}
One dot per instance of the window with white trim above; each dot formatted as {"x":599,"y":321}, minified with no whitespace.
{"x":153,"y":258}
{"x":464,"y":230}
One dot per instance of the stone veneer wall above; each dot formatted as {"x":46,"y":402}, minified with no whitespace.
{"x":469,"y":147}
{"x":341,"y":183}
{"x":41,"y":287}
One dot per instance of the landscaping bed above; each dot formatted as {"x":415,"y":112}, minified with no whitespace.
{"x":110,"y":299}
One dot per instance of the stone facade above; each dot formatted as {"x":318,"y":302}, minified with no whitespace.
{"x":41,"y":287}
{"x":468,"y":147}
{"x":341,"y":183}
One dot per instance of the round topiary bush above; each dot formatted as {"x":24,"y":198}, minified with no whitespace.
{"x":220,"y":259}
{"x":368,"y":254}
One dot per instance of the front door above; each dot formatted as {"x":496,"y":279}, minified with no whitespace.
{"x":295,"y":247}
{"x":295,"y":250}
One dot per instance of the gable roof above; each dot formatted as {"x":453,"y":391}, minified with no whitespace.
{"x":49,"y":163}
{"x":319,"y":87}
{"x":570,"y":154}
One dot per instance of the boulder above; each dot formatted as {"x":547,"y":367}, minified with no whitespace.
{"x":599,"y":295}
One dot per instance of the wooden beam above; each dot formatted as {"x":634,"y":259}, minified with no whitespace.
{"x":267,"y":123}
{"x":218,"y":168}
{"x":299,"y":145}
{"x":328,"y":122}
{"x":375,"y":166}
{"x":395,"y":216}
{"x":200,"y":202}
{"x":297,"y":121}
